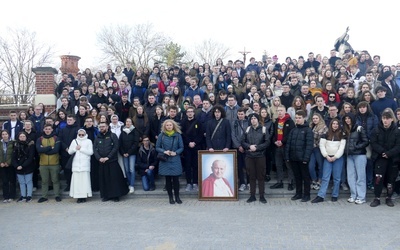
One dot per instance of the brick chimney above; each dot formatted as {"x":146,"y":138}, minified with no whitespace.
{"x":69,"y":64}
{"x":45,"y":85}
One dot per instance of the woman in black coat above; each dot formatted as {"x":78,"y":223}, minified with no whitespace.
{"x":128,"y":148}
{"x":22,"y":161}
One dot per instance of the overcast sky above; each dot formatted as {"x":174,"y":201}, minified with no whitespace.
{"x":285,"y":28}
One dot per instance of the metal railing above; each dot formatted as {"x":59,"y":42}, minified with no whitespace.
{"x":13,"y":100}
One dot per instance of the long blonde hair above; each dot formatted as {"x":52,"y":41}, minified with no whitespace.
{"x":175,"y":126}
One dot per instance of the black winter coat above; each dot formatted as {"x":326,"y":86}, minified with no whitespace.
{"x":356,"y":141}
{"x":129,"y":143}
{"x":66,"y":136}
{"x":222,"y":136}
{"x":23,"y":154}
{"x":191,"y":132}
{"x":106,"y":145}
{"x":386,"y":140}
{"x":255,"y":136}
{"x":299,"y":144}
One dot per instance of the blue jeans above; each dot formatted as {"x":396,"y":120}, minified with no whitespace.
{"x":25,"y":184}
{"x":148,"y":180}
{"x":129,"y":165}
{"x":356,"y":176}
{"x":316,"y":159}
{"x":334,"y":168}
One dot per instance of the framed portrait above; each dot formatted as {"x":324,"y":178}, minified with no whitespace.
{"x":218,"y":175}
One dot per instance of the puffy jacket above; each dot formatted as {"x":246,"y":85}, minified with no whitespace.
{"x":23,"y":156}
{"x":369,"y":122}
{"x":106,"y":145}
{"x":300,"y":143}
{"x":255,"y":136}
{"x":333,"y":148}
{"x":81,"y":161}
{"x":386,"y":140}
{"x":356,"y":141}
{"x":173,"y":166}
{"x":48,"y":147}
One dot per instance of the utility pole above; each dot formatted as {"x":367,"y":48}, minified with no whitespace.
{"x":244,"y":53}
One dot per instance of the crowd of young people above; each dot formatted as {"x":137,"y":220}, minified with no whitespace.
{"x":322,"y":116}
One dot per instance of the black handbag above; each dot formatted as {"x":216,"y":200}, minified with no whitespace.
{"x":162,"y":156}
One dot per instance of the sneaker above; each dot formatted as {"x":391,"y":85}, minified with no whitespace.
{"x":58,"y":199}
{"x":375,"y":203}
{"x":395,"y":196}
{"x":188,"y":188}
{"x":28,"y":199}
{"x":263,"y":200}
{"x":370,"y":186}
{"x":251,"y":199}
{"x":42,"y":199}
{"x":248,"y":186}
{"x":314,"y":185}
{"x":242,"y":187}
{"x":34,"y":189}
{"x":359,"y":202}
{"x":351,"y":200}
{"x":131,"y":189}
{"x":21,"y":199}
{"x":5,"y":201}
{"x":317,"y":199}
{"x":195,"y":188}
{"x":317,"y":186}
{"x":389,"y":202}
{"x":344,"y":186}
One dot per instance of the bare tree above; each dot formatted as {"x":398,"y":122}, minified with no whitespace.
{"x":19,"y":53}
{"x":138,"y":44}
{"x":209,"y":51}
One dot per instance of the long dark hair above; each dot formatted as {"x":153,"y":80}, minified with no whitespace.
{"x":332,"y":135}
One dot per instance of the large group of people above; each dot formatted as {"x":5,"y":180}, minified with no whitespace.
{"x":310,"y":119}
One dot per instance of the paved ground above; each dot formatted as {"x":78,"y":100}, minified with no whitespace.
{"x":150,"y":222}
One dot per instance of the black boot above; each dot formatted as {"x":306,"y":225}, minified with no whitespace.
{"x":171,"y":200}
{"x":177,"y":199}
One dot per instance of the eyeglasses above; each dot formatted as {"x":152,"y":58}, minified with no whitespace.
{"x":81,"y":134}
{"x":332,"y":97}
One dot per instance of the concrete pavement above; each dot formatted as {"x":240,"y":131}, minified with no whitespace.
{"x":140,"y":222}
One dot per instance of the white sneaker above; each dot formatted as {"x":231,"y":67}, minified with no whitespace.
{"x":5,"y":201}
{"x":350,"y":200}
{"x":248,"y":187}
{"x":359,"y":202}
{"x":195,"y":188}
{"x":242,"y":187}
{"x":395,"y":196}
{"x":188,"y":188}
{"x":131,"y":189}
